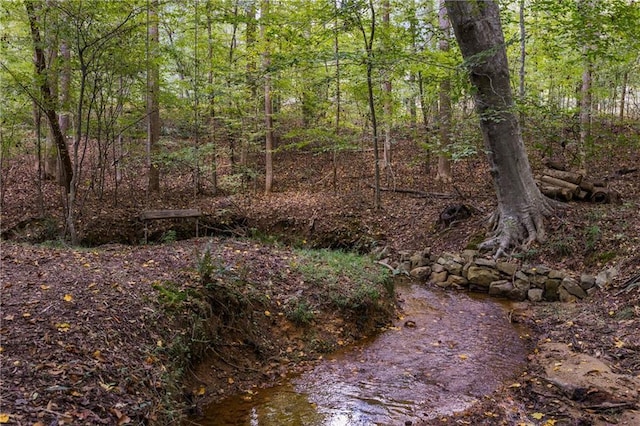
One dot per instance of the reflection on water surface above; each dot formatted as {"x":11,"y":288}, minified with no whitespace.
{"x":460,"y":349}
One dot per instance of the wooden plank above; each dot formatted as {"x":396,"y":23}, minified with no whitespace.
{"x":169,"y":214}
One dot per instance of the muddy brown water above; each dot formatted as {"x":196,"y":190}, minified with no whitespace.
{"x":444,"y":353}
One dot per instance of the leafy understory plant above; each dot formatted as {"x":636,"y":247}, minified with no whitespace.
{"x":346,"y":280}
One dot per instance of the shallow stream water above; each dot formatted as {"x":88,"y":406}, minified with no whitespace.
{"x":444,"y":353}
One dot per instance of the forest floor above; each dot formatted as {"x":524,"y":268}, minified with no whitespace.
{"x":104,"y":333}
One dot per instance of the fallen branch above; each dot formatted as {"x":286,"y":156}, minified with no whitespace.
{"x":420,"y":194}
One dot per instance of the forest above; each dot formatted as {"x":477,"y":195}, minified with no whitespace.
{"x":231,"y":189}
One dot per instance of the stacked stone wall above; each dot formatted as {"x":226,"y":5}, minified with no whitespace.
{"x":515,"y":281}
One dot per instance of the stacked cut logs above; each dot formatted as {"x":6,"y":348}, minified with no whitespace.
{"x":567,"y":185}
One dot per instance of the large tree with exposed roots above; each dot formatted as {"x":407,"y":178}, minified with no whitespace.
{"x":522,"y":208}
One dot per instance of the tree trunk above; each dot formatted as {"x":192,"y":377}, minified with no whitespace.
{"x":523,"y":58}
{"x":585,"y":114}
{"x":153,"y":95}
{"x":521,"y":206}
{"x":586,"y":9}
{"x":368,"y":45}
{"x":250,"y":40}
{"x":336,"y":49}
{"x":65,"y":91}
{"x":444,"y":173}
{"x":623,"y":96}
{"x":268,"y":106}
{"x":50,"y":154}
{"x":211,"y":106}
{"x":386,"y":85}
{"x":48,"y":102}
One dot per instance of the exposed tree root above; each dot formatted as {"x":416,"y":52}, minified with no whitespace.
{"x":518,"y":230}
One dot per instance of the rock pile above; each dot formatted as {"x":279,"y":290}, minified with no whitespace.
{"x":498,"y":278}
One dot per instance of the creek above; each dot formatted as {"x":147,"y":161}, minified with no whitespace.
{"x":446,"y":351}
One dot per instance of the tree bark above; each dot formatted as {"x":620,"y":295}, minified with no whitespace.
{"x":519,"y":218}
{"x":268,"y":106}
{"x":523,"y":58}
{"x":250,"y":41}
{"x":48,"y":101}
{"x":50,"y":154}
{"x":586,"y":9}
{"x":65,"y":92}
{"x":368,"y":44}
{"x":153,"y":95}
{"x":386,"y":85}
{"x":444,"y":173}
{"x":338,"y":103}
{"x":211,"y":101}
{"x":623,"y":96}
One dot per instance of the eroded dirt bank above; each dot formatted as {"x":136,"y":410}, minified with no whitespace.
{"x":110,"y":335}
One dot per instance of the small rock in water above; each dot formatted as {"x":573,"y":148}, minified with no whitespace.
{"x":410,"y":324}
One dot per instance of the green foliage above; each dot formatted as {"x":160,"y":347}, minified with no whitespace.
{"x":169,"y":236}
{"x":592,"y":235}
{"x":605,"y":257}
{"x":561,"y":246}
{"x":210,"y":267}
{"x":211,"y":76}
{"x":352,"y":281}
{"x":475,"y":241}
{"x":170,"y":294}
{"x":300,"y":312}
{"x":626,"y":313}
{"x":527,"y":255}
{"x":236,"y":183}
{"x":318,"y":140}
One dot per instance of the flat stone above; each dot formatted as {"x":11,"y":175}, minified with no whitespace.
{"x":587,"y":281}
{"x":500,"y":288}
{"x":522,"y":284}
{"x":507,"y":268}
{"x":417,"y":260}
{"x":555,"y":274}
{"x":551,"y":290}
{"x":538,"y":270}
{"x":421,"y":272}
{"x":573,"y":287}
{"x":522,"y":276}
{"x":469,"y":255}
{"x":566,"y":297}
{"x":453,"y":267}
{"x":446,"y":257}
{"x":438,"y":277}
{"x":481,"y":276}
{"x":538,"y":280}
{"x":443,"y":284}
{"x":465,"y":269}
{"x":542,"y":270}
{"x":436,"y":267}
{"x":404,"y":266}
{"x":481,"y":261}
{"x":405,"y":255}
{"x":587,"y":379}
{"x":457,"y":280}
{"x":605,"y":277}
{"x":535,"y":294}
